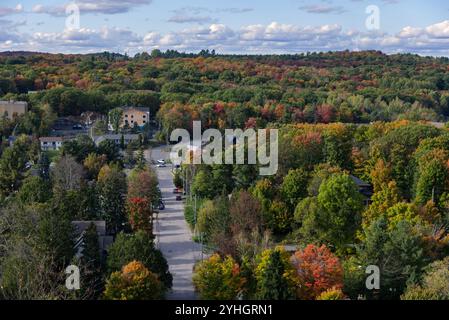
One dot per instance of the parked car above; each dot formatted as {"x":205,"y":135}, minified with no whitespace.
{"x":161,"y":161}
{"x":161,"y":165}
{"x":178,"y":198}
{"x":161,"y":205}
{"x":77,"y":127}
{"x":175,"y":190}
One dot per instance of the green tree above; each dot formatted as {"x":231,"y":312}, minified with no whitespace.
{"x":276,"y":277}
{"x":34,"y":190}
{"x":12,"y":166}
{"x":177,"y":179}
{"x":294,"y":187}
{"x":138,"y":246}
{"x":112,"y":189}
{"x":432,"y":176}
{"x":397,"y":252}
{"x":92,"y":266}
{"x":203,"y":185}
{"x":115,"y":118}
{"x":434,"y":284}
{"x":334,"y":215}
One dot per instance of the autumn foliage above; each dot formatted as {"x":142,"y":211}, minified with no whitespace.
{"x":134,"y":282}
{"x":318,"y":271}
{"x":140,"y":214}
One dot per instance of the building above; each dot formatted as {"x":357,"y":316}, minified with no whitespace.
{"x":134,"y":117}
{"x":104,"y":240}
{"x":117,"y":138}
{"x":364,"y":188}
{"x":51,"y":143}
{"x":12,"y":109}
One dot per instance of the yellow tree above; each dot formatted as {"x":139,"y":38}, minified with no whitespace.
{"x":134,"y":282}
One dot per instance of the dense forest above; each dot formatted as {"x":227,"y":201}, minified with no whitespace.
{"x":234,"y":91}
{"x":346,"y":120}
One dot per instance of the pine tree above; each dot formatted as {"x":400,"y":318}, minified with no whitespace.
{"x":91,"y":264}
{"x":44,"y":166}
{"x":272,"y":282}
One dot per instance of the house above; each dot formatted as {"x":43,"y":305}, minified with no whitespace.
{"x":117,"y":138}
{"x":51,"y":143}
{"x":364,"y":188}
{"x":134,"y":117}
{"x":104,"y":240}
{"x":12,"y":109}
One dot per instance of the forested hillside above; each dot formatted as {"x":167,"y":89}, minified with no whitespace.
{"x":363,"y":175}
{"x":350,"y":87}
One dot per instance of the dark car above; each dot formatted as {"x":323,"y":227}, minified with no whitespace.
{"x":77,"y":127}
{"x":178,"y":198}
{"x":161,"y":206}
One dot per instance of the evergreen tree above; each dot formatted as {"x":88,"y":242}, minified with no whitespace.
{"x":91,"y":264}
{"x":274,"y":277}
{"x":112,"y":192}
{"x":44,"y":166}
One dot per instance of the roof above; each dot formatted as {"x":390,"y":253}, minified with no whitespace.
{"x":360,"y":183}
{"x":140,"y":109}
{"x":50,"y":139}
{"x":17,"y":103}
{"x":81,"y":226}
{"x":127,"y":137}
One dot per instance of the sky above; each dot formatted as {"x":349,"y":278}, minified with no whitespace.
{"x":230,"y":26}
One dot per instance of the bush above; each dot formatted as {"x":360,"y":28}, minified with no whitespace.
{"x":331,"y":294}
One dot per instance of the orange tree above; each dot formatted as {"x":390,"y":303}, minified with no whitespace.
{"x":134,"y":282}
{"x":140,"y":214}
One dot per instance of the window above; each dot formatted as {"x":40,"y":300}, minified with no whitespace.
{"x":144,"y":116}
{"x":126,"y":116}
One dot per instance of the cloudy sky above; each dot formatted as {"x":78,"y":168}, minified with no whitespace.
{"x":231,"y":26}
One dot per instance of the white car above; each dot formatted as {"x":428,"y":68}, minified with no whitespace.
{"x":161,"y":161}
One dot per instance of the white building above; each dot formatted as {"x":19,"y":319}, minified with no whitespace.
{"x":117,"y":138}
{"x":51,"y":143}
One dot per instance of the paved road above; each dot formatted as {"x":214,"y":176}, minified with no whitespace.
{"x":173,"y":236}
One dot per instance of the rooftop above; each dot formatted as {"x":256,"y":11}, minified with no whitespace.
{"x":50,"y":139}
{"x":146,"y":110}
{"x":12,"y":102}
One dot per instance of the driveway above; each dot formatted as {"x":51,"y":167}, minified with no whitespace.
{"x":173,"y":236}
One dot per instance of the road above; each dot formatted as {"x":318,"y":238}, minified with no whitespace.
{"x":173,"y":236}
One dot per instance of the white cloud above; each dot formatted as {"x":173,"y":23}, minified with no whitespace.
{"x":439,"y":30}
{"x":274,"y":37}
{"x":92,"y":6}
{"x":6,"y":11}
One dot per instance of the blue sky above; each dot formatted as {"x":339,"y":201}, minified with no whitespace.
{"x":232,"y":26}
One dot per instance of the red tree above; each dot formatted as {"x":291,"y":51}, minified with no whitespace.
{"x":140,"y":214}
{"x":318,"y":270}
